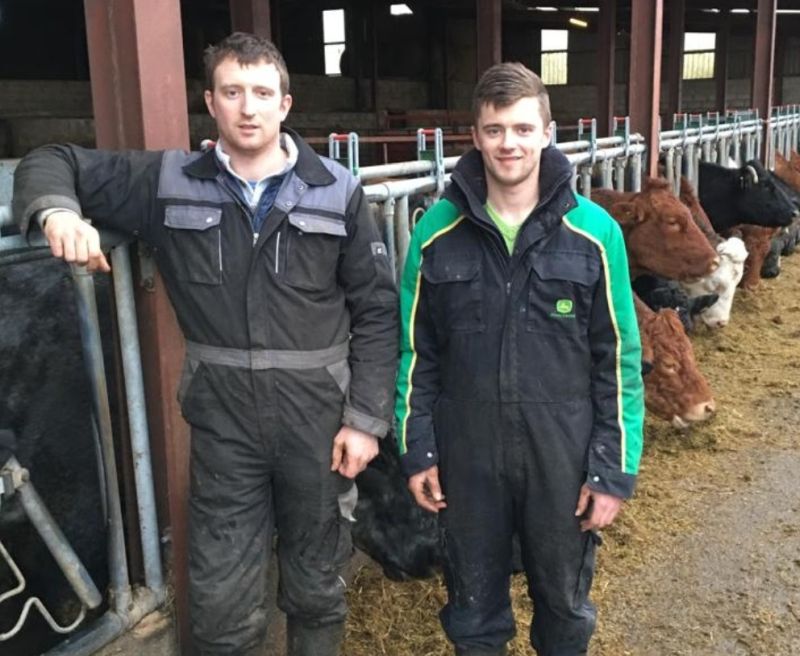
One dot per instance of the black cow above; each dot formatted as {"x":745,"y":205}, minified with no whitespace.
{"x":390,"y":527}
{"x":658,"y":292}
{"x":748,"y":194}
{"x":784,"y":243}
{"x":45,"y":400}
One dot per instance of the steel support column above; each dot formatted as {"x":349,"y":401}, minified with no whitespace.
{"x":251,"y":16}
{"x":721,"y":53}
{"x":644,"y":86}
{"x":764,"y":61}
{"x":677,"y":21}
{"x":488,"y":27}
{"x":606,"y":50}
{"x":139,"y":100}
{"x":780,"y":62}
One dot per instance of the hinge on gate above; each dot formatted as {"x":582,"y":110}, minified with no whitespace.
{"x":147,"y":267}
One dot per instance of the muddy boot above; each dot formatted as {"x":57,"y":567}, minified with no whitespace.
{"x":305,"y":640}
{"x":474,"y":651}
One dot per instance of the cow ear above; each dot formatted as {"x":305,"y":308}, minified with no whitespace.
{"x":625,"y":212}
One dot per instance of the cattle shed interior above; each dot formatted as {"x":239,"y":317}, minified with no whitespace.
{"x":128,"y":74}
{"x":384,"y":68}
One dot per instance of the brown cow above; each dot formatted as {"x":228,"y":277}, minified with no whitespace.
{"x":757,"y":240}
{"x":788,"y":170}
{"x":660,"y":235}
{"x":675,"y":389}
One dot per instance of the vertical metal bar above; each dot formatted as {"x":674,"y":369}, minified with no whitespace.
{"x":670,"y":167}
{"x":690,"y":163}
{"x":402,"y":232}
{"x":586,"y":181}
{"x":388,"y":219}
{"x":636,"y":172}
{"x":606,"y":173}
{"x":93,"y":356}
{"x":137,"y":416}
{"x":619,"y":174}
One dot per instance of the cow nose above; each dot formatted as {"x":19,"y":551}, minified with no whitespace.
{"x":718,"y":323}
{"x":700,"y":411}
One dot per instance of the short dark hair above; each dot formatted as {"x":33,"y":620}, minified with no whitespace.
{"x":504,"y":84}
{"x":247,"y":49}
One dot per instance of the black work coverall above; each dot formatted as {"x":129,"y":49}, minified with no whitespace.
{"x":521,"y":379}
{"x":288,"y":338}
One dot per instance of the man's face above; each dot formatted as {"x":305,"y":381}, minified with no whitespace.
{"x":248,"y":106}
{"x":511,"y":140}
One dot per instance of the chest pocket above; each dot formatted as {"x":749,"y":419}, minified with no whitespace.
{"x":561,"y":289}
{"x":195,"y":241}
{"x":313,"y":245}
{"x":456,"y":292}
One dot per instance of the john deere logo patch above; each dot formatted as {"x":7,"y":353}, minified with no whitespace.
{"x":564,"y":306}
{"x":564,"y":309}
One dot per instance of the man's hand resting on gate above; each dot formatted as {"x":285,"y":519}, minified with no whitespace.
{"x":75,"y":241}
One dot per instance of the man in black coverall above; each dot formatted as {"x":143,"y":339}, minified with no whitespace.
{"x":520,"y":394}
{"x":282,"y":287}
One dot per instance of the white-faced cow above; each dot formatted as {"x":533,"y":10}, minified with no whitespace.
{"x":723,"y":281}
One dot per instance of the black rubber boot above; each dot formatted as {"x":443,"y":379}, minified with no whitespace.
{"x":474,"y":651}
{"x":304,"y":640}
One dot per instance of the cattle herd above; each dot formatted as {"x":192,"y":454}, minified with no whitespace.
{"x":688,"y":256}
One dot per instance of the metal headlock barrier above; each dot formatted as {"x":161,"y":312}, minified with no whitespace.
{"x":613,"y":162}
{"x":127,"y":604}
{"x":736,"y":137}
{"x":619,"y":158}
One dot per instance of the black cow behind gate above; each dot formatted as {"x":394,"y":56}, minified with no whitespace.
{"x":749,"y":194}
{"x":45,"y":400}
{"x":390,"y":526}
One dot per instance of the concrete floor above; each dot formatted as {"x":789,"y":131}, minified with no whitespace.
{"x":153,"y":636}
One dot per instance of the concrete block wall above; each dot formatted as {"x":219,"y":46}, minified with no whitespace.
{"x":33,"y":113}
{"x":28,"y":98}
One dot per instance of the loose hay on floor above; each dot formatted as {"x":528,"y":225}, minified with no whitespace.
{"x":752,"y":366}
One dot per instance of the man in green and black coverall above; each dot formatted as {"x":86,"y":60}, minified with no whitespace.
{"x":519,"y":399}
